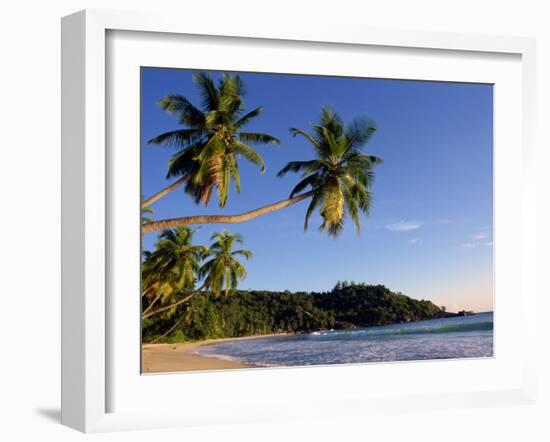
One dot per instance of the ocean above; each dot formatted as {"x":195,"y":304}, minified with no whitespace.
{"x":448,"y":338}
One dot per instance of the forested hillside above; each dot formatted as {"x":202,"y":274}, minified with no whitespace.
{"x":261,"y":312}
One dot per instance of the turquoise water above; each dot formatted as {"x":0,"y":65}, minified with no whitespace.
{"x":460,"y":337}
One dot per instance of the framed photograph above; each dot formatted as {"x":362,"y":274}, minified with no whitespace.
{"x":292,"y":223}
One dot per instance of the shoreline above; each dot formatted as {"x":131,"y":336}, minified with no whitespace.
{"x":183,"y":357}
{"x":166,"y":358}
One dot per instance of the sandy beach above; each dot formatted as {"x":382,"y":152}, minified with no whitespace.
{"x":161,"y":358}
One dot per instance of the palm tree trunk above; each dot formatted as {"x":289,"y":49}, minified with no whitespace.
{"x":158,"y":338}
{"x":175,"y":304}
{"x":163,"y":192}
{"x":147,"y":290}
{"x":223,"y":219}
{"x":150,"y":306}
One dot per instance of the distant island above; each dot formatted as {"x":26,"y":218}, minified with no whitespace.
{"x":250,"y":313}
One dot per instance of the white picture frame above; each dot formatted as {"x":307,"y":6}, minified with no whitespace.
{"x":87,"y":356}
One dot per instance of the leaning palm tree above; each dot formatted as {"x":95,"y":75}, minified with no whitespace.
{"x":223,"y":271}
{"x":212,"y":139}
{"x":338,"y":178}
{"x":172,"y":267}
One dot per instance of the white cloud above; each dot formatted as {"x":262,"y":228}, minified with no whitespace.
{"x":479,"y":239}
{"x":403,"y":226}
{"x":414,"y":241}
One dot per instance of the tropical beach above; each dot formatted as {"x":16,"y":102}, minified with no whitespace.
{"x":461,"y":337}
{"x":295,"y":220}
{"x":160,"y":358}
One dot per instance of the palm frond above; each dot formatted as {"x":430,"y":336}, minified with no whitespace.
{"x":359,"y":193}
{"x":331,"y":121}
{"x":184,"y":161}
{"x":359,"y":132}
{"x":210,"y":159}
{"x":247,"y":118}
{"x":231,"y":92}
{"x":310,"y":180}
{"x":297,"y":166}
{"x":178,"y":138}
{"x":223,"y":184}
{"x":335,"y":147}
{"x":353,"y":209}
{"x":246,"y":253}
{"x":250,"y":154}
{"x":208,"y":91}
{"x":215,"y":118}
{"x":234,"y":169}
{"x":258,"y":138}
{"x":316,"y":200}
{"x":187,"y":113}
{"x":306,"y":135}
{"x":232,"y":85}
{"x":201,"y":193}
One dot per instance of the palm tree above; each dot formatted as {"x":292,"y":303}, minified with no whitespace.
{"x":339,"y":177}
{"x":223,"y":219}
{"x":212,"y":139}
{"x":223,"y":271}
{"x":172,"y":267}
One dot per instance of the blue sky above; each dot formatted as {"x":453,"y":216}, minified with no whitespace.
{"x":429,"y":234}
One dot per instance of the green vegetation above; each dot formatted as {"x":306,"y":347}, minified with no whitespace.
{"x":170,"y":270}
{"x":337,"y":180}
{"x":340,"y":174}
{"x":223,"y":272}
{"x":170,"y":273}
{"x":211,"y":140}
{"x":262,"y":312}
